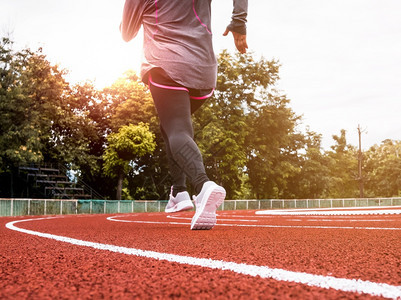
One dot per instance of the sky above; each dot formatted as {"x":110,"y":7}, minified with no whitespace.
{"x":340,"y":60}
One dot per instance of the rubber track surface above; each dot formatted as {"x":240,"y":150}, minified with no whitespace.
{"x":353,"y":247}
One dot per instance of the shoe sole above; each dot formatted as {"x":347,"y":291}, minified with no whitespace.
{"x":205,"y":216}
{"x":181,"y":206}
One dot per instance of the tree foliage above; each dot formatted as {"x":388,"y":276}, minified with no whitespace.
{"x":19,"y":135}
{"x":247,"y":132}
{"x":124,"y":148}
{"x":343,"y":166}
{"x":41,"y":119}
{"x":129,"y":101}
{"x":383,"y":169}
{"x":248,"y":128}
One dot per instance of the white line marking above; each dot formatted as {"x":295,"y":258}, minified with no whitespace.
{"x":340,"y":208}
{"x":220,"y":219}
{"x":146,"y":222}
{"x":255,"y":225}
{"x":347,"y":220}
{"x":320,"y":281}
{"x":311,"y":227}
{"x":178,"y":217}
{"x":353,"y":212}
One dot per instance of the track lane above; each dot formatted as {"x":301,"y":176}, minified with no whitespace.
{"x":250,"y":245}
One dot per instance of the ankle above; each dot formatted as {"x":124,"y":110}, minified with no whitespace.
{"x":178,"y":189}
{"x":199,"y":186}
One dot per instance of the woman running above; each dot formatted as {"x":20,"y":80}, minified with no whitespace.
{"x":180,"y":68}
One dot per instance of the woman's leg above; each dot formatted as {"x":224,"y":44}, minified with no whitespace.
{"x":177,"y":175}
{"x":174,"y":111}
{"x":196,"y":104}
{"x":175,"y":105}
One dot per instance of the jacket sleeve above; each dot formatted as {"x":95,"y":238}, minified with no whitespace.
{"x":132,"y":19}
{"x":240,"y":13}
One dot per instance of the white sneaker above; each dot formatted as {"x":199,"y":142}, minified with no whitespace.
{"x":182,"y":201}
{"x":207,"y":202}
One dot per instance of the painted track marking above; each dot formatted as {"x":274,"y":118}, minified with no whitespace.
{"x":116,"y":219}
{"x":183,"y":218}
{"x":326,"y":282}
{"x":258,"y":225}
{"x":377,"y":210}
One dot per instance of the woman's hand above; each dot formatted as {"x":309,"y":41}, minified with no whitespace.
{"x":239,"y":40}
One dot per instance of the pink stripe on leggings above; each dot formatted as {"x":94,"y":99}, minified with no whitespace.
{"x":203,"y":97}
{"x":178,"y":88}
{"x":167,"y":87}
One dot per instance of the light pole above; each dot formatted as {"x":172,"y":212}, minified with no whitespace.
{"x":360,"y":157}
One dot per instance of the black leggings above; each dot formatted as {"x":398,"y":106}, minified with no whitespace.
{"x":174,"y":105}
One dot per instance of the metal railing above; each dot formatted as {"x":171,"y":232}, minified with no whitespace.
{"x":21,"y":207}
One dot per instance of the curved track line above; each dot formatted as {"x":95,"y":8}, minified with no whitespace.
{"x":113,"y":218}
{"x":326,"y":282}
{"x":220,"y":219}
{"x":330,"y":212}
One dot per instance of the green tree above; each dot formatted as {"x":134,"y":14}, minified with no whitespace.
{"x":19,"y":135}
{"x":89,"y":103}
{"x":247,"y":133}
{"x":273,"y":147}
{"x":125,"y":147}
{"x":41,"y":116}
{"x":314,"y":178}
{"x":129,"y":101}
{"x":56,"y":112}
{"x":382,"y":169}
{"x":243,"y":124}
{"x":343,"y":166}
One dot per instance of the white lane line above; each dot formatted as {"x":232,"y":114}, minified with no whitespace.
{"x":366,"y":218}
{"x":339,"y":208}
{"x":220,"y":219}
{"x":320,"y":281}
{"x":338,"y":220}
{"x":349,"y":220}
{"x":328,"y":213}
{"x":146,"y":222}
{"x":311,"y":227}
{"x":113,"y":218}
{"x":238,"y":216}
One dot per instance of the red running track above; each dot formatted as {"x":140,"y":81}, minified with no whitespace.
{"x":245,"y":255}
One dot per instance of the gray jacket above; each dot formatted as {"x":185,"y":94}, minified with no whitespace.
{"x":178,"y":37}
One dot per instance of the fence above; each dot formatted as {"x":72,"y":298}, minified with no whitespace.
{"x":24,"y":207}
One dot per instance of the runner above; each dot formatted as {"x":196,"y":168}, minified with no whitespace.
{"x":180,"y":68}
